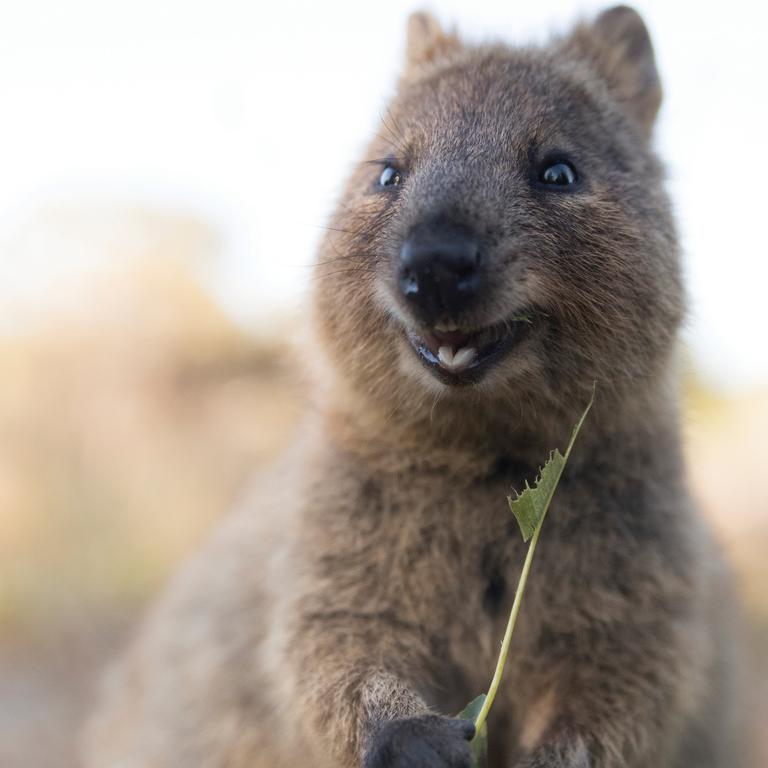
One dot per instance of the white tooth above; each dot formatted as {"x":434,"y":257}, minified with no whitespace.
{"x":445,"y":356}
{"x":464,"y":357}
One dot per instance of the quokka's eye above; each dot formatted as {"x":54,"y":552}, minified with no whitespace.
{"x":390,"y":177}
{"x":559,"y":174}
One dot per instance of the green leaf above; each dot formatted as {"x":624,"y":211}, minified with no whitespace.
{"x":529,"y":506}
{"x":529,"y":509}
{"x":472,"y":710}
{"x":523,"y":317}
{"x":478,"y":745}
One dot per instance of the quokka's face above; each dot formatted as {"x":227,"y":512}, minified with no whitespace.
{"x":508,"y":225}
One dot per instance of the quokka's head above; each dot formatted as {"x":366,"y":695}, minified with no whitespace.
{"x":506,"y":233}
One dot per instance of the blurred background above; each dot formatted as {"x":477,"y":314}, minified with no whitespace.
{"x":165,"y":172}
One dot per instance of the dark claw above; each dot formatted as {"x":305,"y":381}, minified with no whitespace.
{"x":427,"y":741}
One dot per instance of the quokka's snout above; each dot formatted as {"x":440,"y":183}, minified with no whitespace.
{"x":441,"y":271}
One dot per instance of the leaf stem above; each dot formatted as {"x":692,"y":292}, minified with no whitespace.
{"x":505,"y":643}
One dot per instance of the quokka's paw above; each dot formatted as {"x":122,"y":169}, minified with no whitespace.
{"x":427,"y":741}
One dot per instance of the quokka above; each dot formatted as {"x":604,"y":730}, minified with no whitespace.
{"x":505,"y":242}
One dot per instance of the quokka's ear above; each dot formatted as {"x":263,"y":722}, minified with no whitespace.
{"x":617,"y":45}
{"x":426,"y":41}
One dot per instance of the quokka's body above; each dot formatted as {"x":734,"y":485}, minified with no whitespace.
{"x":505,"y":243}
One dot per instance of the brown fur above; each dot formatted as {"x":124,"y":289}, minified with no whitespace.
{"x":371,"y":576}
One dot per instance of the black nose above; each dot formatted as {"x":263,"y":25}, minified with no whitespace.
{"x":439,"y":271}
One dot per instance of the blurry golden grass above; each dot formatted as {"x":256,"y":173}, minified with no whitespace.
{"x":123,"y":433}
{"x":127,"y":427}
{"x":726,"y":442}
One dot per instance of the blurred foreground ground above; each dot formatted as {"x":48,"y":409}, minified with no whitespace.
{"x":128,"y":427}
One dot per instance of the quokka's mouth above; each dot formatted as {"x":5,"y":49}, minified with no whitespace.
{"x":457,"y":356}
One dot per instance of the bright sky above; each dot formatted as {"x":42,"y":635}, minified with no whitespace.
{"x":249,"y":115}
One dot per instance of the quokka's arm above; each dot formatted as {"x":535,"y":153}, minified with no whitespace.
{"x":619,"y":700}
{"x":357,"y":684}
